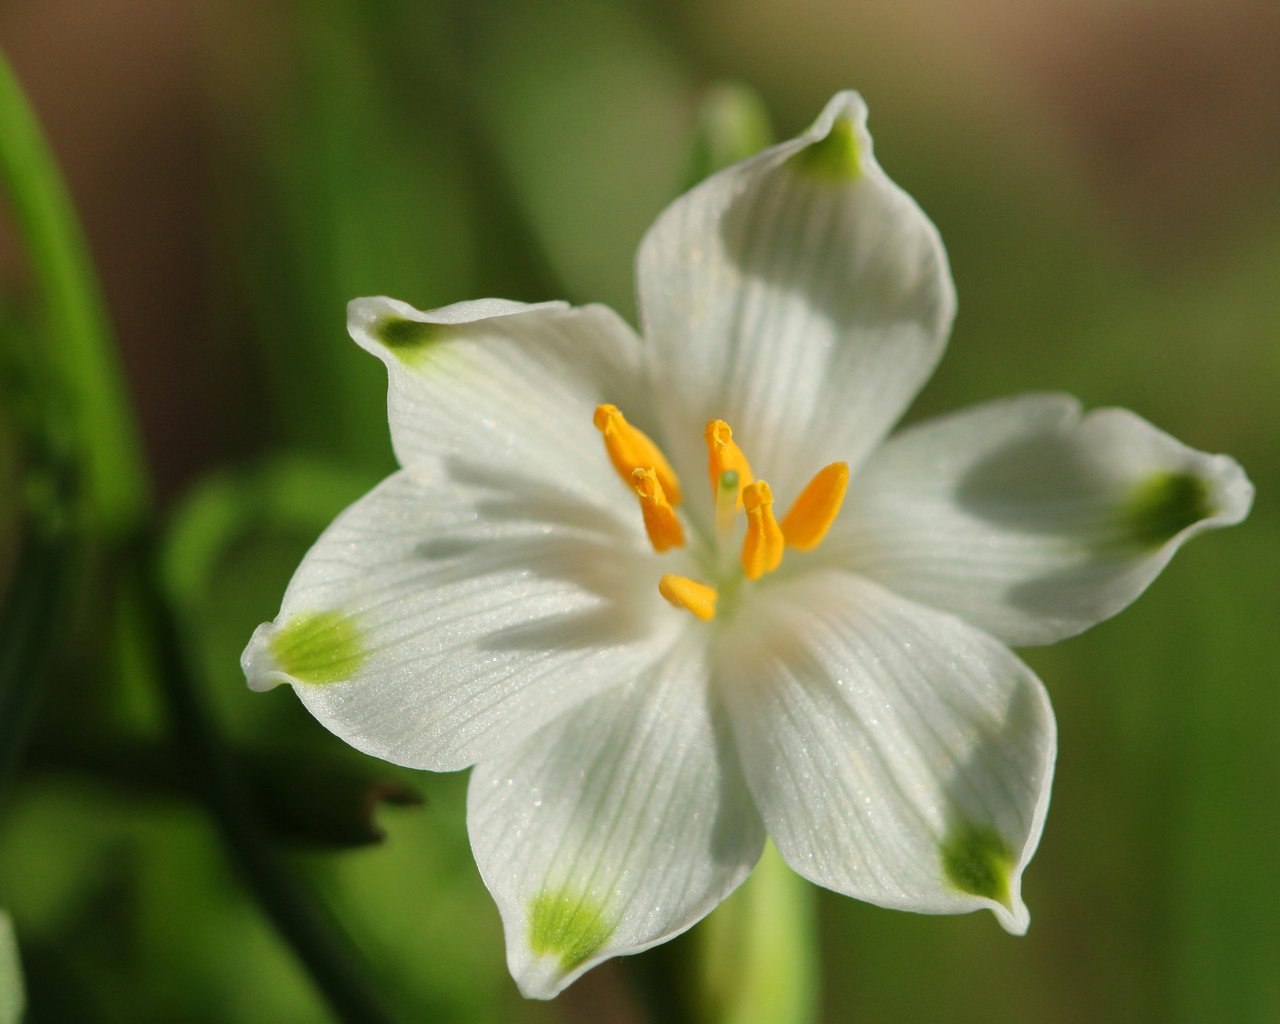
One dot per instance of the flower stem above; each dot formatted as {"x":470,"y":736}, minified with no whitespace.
{"x":758,"y":960}
{"x":36,"y":607}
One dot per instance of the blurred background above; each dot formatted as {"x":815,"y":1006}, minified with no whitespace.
{"x":1104,"y":175}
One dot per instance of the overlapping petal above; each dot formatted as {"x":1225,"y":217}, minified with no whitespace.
{"x":458,"y":606}
{"x":801,"y":296}
{"x":505,"y":382}
{"x":897,"y":754}
{"x":1028,"y":518}
{"x":614,"y":827}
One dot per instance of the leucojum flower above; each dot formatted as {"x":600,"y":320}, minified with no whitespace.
{"x":671,"y":593}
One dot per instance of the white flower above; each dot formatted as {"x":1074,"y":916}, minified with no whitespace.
{"x":646,"y":670}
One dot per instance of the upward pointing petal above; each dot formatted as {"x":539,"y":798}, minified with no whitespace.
{"x":801,"y":296}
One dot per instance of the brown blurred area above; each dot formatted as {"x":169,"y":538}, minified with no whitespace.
{"x":119,"y":86}
{"x":1170,"y":109}
{"x":1169,"y":112}
{"x":1175,"y":108}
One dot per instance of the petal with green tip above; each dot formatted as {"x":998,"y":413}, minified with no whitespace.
{"x":494,"y":378}
{"x":1029,"y":518}
{"x":566,"y":926}
{"x":977,"y":861}
{"x":318,"y":647}
{"x":834,"y":158}
{"x":897,"y":754}
{"x":613,"y":828}
{"x":478,"y":601}
{"x":801,"y":296}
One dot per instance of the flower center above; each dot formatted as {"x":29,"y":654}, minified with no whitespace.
{"x":643,"y":467}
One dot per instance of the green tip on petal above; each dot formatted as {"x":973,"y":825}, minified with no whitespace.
{"x":835,"y":157}
{"x":407,"y":338}
{"x":319,"y":647}
{"x":1164,"y":505}
{"x":977,"y":860}
{"x":566,"y":926}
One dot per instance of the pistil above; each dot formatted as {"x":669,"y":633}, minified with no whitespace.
{"x":728,"y":501}
{"x":723,"y":456}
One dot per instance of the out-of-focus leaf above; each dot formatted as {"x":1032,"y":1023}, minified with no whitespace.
{"x":417,"y":903}
{"x":127,"y":909}
{"x":289,"y":494}
{"x":321,"y":798}
{"x":13,"y":998}
{"x":231,"y":547}
{"x":1223,"y":884}
{"x":323,"y":802}
{"x":358,"y":190}
{"x":80,"y":348}
{"x":40,"y":584}
{"x":592,"y":165}
{"x":732,"y":123}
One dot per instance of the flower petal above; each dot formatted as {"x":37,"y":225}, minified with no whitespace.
{"x":897,"y":754}
{"x":800,"y":296}
{"x":457,"y":607}
{"x":615,"y":827}
{"x":1028,"y":519}
{"x":504,"y":381}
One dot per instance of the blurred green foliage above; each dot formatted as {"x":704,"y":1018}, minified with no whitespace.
{"x":449,"y":150}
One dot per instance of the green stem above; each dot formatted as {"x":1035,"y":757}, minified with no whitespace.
{"x":314,"y":935}
{"x":40,"y":596}
{"x":80,"y":340}
{"x":34,"y":619}
{"x":758,"y":960}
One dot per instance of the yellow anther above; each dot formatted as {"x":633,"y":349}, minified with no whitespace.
{"x":631,"y":449}
{"x":660,"y":520}
{"x":690,"y":595}
{"x":812,"y":513}
{"x":724,"y":455}
{"x":763,"y":546}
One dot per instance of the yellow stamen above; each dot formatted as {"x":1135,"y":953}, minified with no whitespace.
{"x":660,"y":520}
{"x":725,"y":455}
{"x":815,"y":510}
{"x":763,"y":546}
{"x":631,"y":449}
{"x":690,"y":595}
